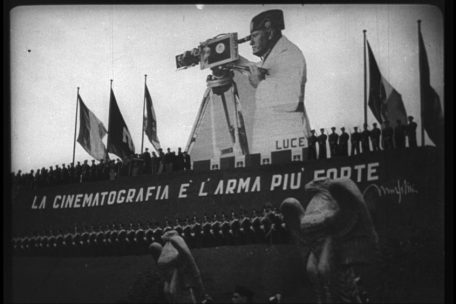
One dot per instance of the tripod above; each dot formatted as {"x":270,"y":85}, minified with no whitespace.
{"x":220,"y":82}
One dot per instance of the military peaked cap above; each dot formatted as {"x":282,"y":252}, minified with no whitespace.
{"x":275,"y":17}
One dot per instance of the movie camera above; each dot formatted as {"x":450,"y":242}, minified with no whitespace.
{"x":214,"y":52}
{"x":220,"y":54}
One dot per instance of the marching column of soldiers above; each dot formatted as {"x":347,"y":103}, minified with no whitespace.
{"x":243,"y":227}
{"x":369,"y":140}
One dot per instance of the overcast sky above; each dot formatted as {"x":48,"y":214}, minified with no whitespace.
{"x":55,"y":49}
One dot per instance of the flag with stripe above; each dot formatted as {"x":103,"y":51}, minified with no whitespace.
{"x":431,"y":109}
{"x":120,"y":142}
{"x":91,"y":132}
{"x":150,"y":121}
{"x":384,"y":101}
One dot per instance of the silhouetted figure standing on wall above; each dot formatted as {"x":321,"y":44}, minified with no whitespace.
{"x":333,"y":139}
{"x":57,"y":175}
{"x":147,"y":162}
{"x":113,"y":171}
{"x":119,"y":166}
{"x":312,"y":142}
{"x":125,"y":169}
{"x":137,"y":165}
{"x":161,"y":161}
{"x":355,"y":141}
{"x":65,"y":174}
{"x":343,"y":143}
{"x":91,"y":174}
{"x":387,"y":136}
{"x":375,"y":137}
{"x":169,"y":160}
{"x":399,"y":135}
{"x":78,"y":172}
{"x":85,"y":171}
{"x":322,"y":144}
{"x":179,"y":160}
{"x":365,"y":139}
{"x":154,"y":163}
{"x":411,"y":132}
{"x":187,"y":161}
{"x":51,"y":176}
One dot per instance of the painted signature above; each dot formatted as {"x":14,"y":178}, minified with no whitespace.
{"x":400,"y":188}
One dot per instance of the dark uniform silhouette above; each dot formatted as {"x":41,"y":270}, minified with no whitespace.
{"x":161,"y":161}
{"x":375,"y":137}
{"x":154,"y":163}
{"x":343,"y":143}
{"x":411,"y":132}
{"x":51,"y":176}
{"x":169,"y":160}
{"x":58,"y":175}
{"x":84,"y":171}
{"x":399,"y":135}
{"x":365,"y":135}
{"x":179,"y":161}
{"x":322,"y":144}
{"x":333,"y":139}
{"x":147,"y":162}
{"x":312,"y":142}
{"x":355,"y":141}
{"x":387,"y":136}
{"x":187,"y":161}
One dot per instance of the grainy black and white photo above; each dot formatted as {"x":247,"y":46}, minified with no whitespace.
{"x":244,"y":153}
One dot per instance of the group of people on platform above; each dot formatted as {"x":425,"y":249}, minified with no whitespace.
{"x":375,"y":139}
{"x":136,"y":164}
{"x":367,"y":140}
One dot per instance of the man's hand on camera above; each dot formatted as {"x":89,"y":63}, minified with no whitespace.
{"x":256,"y":75}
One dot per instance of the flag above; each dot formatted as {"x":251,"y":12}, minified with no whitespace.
{"x":120,"y":142}
{"x":91,"y":132}
{"x":150,"y":121}
{"x":384,"y":101}
{"x":430,"y":103}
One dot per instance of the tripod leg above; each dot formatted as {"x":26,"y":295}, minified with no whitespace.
{"x":241,"y":132}
{"x":237,"y":144}
{"x":227,"y":117}
{"x":197,"y":124}
{"x":215,"y":151}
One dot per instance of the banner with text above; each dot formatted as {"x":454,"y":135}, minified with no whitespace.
{"x":392,"y":175}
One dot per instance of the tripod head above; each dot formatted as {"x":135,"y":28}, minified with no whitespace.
{"x":220,"y":80}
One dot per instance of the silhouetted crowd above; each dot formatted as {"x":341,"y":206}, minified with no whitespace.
{"x":134,"y":165}
{"x":365,"y":141}
{"x":266,"y":226}
{"x":340,"y":144}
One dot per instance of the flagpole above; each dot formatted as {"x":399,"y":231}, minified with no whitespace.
{"x":75,"y":124}
{"x":109,"y":120}
{"x":421,"y":86}
{"x":144,"y":107}
{"x":365,"y":80}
